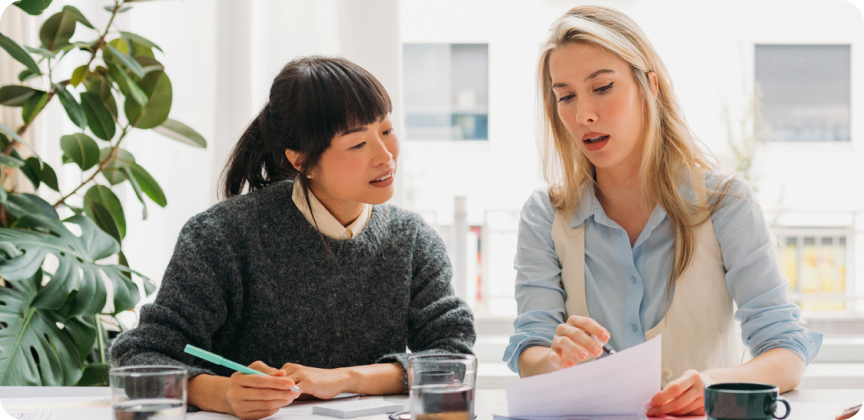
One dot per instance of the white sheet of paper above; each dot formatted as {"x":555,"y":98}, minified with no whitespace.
{"x":54,"y":403}
{"x":300,"y":410}
{"x":619,"y":384}
{"x":101,"y":413}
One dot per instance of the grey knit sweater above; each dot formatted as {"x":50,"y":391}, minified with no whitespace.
{"x":251,"y":279}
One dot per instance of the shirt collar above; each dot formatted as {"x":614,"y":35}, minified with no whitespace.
{"x":590,"y":206}
{"x":327,"y":224}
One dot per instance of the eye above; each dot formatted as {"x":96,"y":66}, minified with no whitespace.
{"x":566,"y":98}
{"x":359,"y":145}
{"x":604,"y":88}
{"x":388,"y":131}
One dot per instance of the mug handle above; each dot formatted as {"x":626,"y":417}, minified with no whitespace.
{"x":774,"y":406}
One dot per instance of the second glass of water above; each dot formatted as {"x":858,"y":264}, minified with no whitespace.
{"x":148,"y":392}
{"x":442,"y":386}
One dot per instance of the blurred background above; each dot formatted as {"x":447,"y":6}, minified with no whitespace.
{"x":769,"y":86}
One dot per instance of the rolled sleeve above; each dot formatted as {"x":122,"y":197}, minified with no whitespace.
{"x":539,"y":295}
{"x":768,"y":319}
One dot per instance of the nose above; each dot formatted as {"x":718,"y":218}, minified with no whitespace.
{"x":585,"y":114}
{"x":382,"y":155}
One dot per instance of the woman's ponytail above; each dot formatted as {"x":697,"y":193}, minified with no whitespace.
{"x":255,"y":162}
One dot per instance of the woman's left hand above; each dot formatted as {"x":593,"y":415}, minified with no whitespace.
{"x":683,"y":396}
{"x":319,"y":383}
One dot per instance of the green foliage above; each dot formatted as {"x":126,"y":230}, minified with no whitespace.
{"x":50,"y":327}
{"x":157,"y":88}
{"x":19,"y":53}
{"x":57,"y":30}
{"x":33,"y":7}
{"x":15,"y":95}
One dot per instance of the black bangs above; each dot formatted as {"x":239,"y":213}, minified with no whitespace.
{"x":343,"y":96}
{"x":312,"y":100}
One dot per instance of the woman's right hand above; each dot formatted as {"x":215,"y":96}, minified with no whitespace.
{"x":252,"y":397}
{"x":573,"y":344}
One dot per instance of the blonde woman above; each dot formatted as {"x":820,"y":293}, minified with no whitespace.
{"x":640,"y":234}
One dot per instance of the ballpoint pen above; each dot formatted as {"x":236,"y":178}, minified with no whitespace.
{"x":221,"y":361}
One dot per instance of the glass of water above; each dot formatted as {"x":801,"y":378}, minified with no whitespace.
{"x":148,"y":392}
{"x":442,"y":386}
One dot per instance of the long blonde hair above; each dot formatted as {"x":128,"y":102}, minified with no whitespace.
{"x":670,"y":148}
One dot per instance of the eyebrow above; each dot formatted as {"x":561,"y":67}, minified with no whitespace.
{"x":590,"y":76}
{"x":360,"y":129}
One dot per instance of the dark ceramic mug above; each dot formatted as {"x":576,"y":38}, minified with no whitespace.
{"x":743,"y":401}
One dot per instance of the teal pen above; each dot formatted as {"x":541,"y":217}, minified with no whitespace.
{"x":221,"y":361}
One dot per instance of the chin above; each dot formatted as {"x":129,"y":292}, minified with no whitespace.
{"x":380,"y":196}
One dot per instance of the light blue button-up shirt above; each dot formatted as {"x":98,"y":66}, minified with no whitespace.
{"x":625,"y":288}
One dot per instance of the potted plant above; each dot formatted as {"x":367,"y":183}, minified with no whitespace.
{"x":53,"y":299}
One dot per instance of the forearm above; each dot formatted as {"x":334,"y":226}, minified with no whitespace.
{"x":377,"y":379}
{"x":535,"y":361}
{"x":209,"y":393}
{"x":780,"y":367}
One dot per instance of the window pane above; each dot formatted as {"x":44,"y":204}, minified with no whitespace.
{"x":805,"y":91}
{"x":446,"y":91}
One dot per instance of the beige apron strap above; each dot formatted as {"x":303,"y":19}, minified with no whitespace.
{"x":570,"y":248}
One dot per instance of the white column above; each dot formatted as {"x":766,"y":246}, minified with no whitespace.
{"x":369,"y":36}
{"x":460,"y":263}
{"x":234,"y":109}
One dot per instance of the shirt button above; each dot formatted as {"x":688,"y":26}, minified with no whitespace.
{"x":634,"y":328}
{"x":633,"y":279}
{"x":667,"y":374}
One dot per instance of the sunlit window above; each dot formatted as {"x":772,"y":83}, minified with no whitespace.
{"x":446,"y":91}
{"x":806,"y":91}
{"x":814,"y":261}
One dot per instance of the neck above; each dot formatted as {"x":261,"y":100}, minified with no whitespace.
{"x":620,"y":183}
{"x":345,"y":212}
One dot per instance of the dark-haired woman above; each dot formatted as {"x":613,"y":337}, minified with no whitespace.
{"x":308,"y":271}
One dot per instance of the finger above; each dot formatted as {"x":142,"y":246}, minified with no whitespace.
{"x":569,"y":350}
{"x":262,"y":381}
{"x":697,"y":407}
{"x":259,"y":394}
{"x":581,"y":338}
{"x":673,"y":390}
{"x":591,"y":326}
{"x":258,"y":414}
{"x":559,"y":363}
{"x":263,"y":367}
{"x":678,"y":403}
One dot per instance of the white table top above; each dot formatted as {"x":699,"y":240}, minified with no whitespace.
{"x":809,"y":404}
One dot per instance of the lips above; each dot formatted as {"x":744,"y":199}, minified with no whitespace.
{"x":383,"y":180}
{"x":595,"y":141}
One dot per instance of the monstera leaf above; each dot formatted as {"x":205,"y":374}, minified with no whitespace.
{"x":32,"y":238}
{"x":36,"y":351}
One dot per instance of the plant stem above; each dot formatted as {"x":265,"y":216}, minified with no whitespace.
{"x":99,"y":169}
{"x":101,"y":41}
{"x":51,"y":94}
{"x":99,"y":331}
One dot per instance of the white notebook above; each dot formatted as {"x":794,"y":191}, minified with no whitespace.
{"x":350,"y":409}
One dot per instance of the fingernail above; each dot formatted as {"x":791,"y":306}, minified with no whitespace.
{"x":604,"y":336}
{"x":583,"y":354}
{"x":597,"y":350}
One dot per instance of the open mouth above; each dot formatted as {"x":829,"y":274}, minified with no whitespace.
{"x":384,"y":181}
{"x":384,"y":178}
{"x":596,"y":139}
